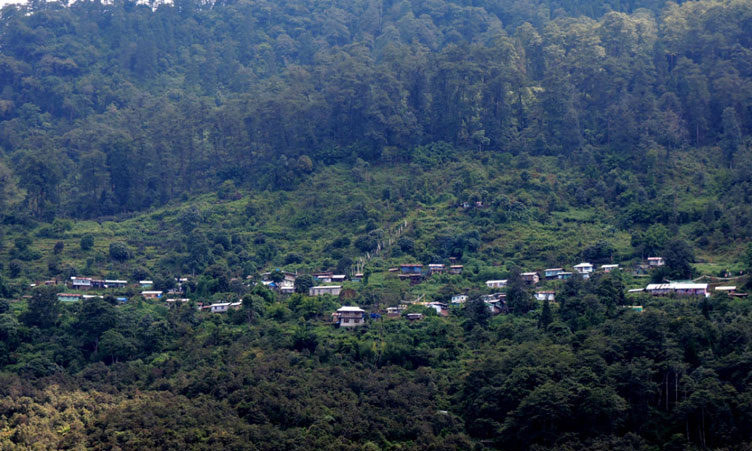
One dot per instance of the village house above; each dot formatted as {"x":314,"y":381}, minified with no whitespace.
{"x":349,"y":316}
{"x":456,"y":269}
{"x":357,"y":277}
{"x":325,"y":276}
{"x":436,"y":268}
{"x":338,"y":278}
{"x":530,"y":277}
{"x":413,"y":273}
{"x":393,"y":312}
{"x":115,"y":283}
{"x":545,"y":296}
{"x":334,"y":290}
{"x":146,"y":283}
{"x":635,"y":308}
{"x":564,"y":275}
{"x":496,"y":306}
{"x":678,"y":288}
{"x":496,"y":283}
{"x":654,"y":262}
{"x":98,"y":283}
{"x":725,"y":289}
{"x":411,"y":268}
{"x":609,"y":268}
{"x":730,"y":291}
{"x":222,"y":307}
{"x":493,"y":297}
{"x":151,"y":294}
{"x":176,"y":301}
{"x":459,"y":299}
{"x":552,"y":273}
{"x":441,"y":308}
{"x":68,"y":297}
{"x":414,"y":316}
{"x":585,"y":269}
{"x":81,"y":283}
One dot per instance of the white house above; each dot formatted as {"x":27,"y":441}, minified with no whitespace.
{"x":678,"y":288}
{"x":609,"y":268}
{"x":496,"y":283}
{"x":349,"y":316}
{"x":82,"y":283}
{"x":441,"y":308}
{"x":459,"y":299}
{"x":584,"y":268}
{"x":334,"y":290}
{"x":655,"y":261}
{"x":222,"y":307}
{"x":545,"y":295}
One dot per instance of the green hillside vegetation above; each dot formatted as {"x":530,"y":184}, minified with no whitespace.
{"x":340,"y":214}
{"x":218,"y":141}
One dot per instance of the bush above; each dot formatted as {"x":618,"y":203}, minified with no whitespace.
{"x":119,"y":252}
{"x":87,"y":242}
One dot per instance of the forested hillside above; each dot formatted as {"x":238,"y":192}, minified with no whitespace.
{"x":116,"y":108}
{"x":209,"y":151}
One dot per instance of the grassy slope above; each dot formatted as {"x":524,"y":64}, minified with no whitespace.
{"x":343,"y":201}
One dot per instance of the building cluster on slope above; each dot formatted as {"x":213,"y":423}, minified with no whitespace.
{"x":328,"y":283}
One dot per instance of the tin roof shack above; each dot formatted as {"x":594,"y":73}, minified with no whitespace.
{"x":151,"y":294}
{"x":609,"y":268}
{"x":334,"y":290}
{"x":114,"y":283}
{"x":552,"y":273}
{"x":530,"y":277}
{"x":414,"y":316}
{"x":564,"y":275}
{"x":678,"y":289}
{"x":349,"y":316}
{"x":436,"y":268}
{"x":456,"y":269}
{"x":357,"y":277}
{"x":411,"y":268}
{"x":395,"y":312}
{"x":655,"y":262}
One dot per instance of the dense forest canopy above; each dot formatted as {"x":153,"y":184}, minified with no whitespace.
{"x":207,"y":150}
{"x":116,"y":108}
